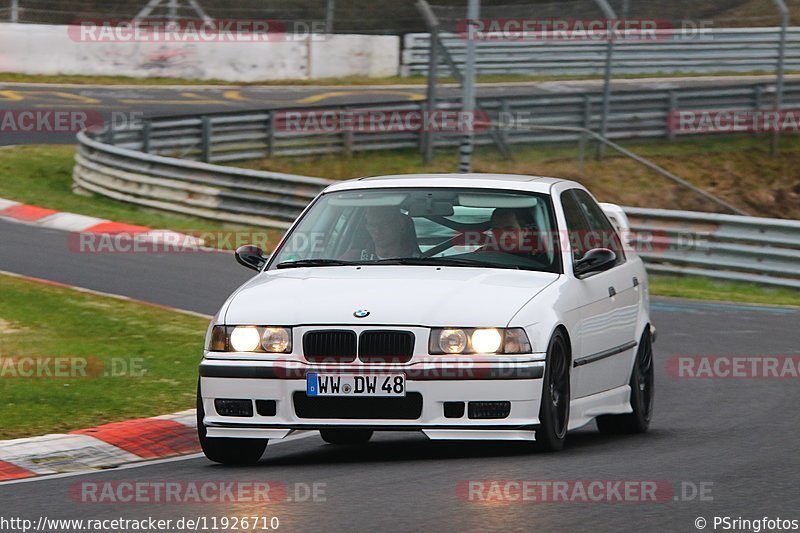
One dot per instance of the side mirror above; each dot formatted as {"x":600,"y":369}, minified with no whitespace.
{"x":251,"y":256}
{"x":596,"y":260}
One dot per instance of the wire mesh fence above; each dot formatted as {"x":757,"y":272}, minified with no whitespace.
{"x":393,"y":17}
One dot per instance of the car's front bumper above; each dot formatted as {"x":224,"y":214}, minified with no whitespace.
{"x":516,"y":381}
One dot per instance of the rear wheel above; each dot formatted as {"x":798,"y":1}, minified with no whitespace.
{"x":346,"y":436}
{"x":227,"y":451}
{"x":554,"y":410}
{"x":642,"y":394}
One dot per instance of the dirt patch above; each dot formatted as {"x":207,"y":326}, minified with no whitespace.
{"x":7,"y":327}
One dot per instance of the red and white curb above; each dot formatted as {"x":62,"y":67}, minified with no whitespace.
{"x":99,"y":448}
{"x":60,"y":220}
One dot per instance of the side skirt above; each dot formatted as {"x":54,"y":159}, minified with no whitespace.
{"x":611,"y":402}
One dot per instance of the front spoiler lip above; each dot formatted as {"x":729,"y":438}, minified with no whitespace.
{"x":408,"y":427}
{"x":438,"y":372}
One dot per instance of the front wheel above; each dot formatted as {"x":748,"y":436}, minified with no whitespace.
{"x":554,"y":411}
{"x":227,"y":451}
{"x":642,"y":392}
{"x":346,"y":436}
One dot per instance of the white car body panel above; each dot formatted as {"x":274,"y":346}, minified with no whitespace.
{"x":421,"y":297}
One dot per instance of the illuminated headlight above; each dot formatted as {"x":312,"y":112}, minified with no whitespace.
{"x":245,"y":339}
{"x":486,"y":340}
{"x":255,"y":339}
{"x":467,"y":341}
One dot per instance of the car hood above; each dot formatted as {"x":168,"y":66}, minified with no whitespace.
{"x":403,"y":295}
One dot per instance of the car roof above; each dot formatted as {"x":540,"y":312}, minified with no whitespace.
{"x":540,"y":184}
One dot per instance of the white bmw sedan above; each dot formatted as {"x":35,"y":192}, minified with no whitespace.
{"x":470,"y":306}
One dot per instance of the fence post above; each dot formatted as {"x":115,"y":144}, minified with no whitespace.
{"x":206,"y":139}
{"x":758,"y":97}
{"x":673,"y":106}
{"x":14,"y":17}
{"x":780,"y":69}
{"x":505,"y":110}
{"x":329,"y":11}
{"x":271,"y":133}
{"x":347,"y":137}
{"x":429,"y":140}
{"x":146,"y":131}
{"x":468,"y":88}
{"x":611,"y":15}
{"x":587,"y":119}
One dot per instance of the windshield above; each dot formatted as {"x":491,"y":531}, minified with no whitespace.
{"x":425,"y":226}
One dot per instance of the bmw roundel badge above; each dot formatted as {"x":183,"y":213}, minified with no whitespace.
{"x":361,"y":313}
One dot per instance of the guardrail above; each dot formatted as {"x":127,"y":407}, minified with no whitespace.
{"x":727,"y":247}
{"x":717,"y":50}
{"x":156,"y":165}
{"x":229,"y":194}
{"x":634,"y":113}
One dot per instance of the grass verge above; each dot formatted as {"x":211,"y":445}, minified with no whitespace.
{"x":739,"y":169}
{"x":697,"y":288}
{"x":138,"y":360}
{"x":42,"y":175}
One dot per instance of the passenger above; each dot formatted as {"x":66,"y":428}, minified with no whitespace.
{"x":506,"y":233}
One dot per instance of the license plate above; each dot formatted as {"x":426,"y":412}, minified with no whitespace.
{"x":356,"y":385}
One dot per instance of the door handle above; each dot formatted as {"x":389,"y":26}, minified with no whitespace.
{"x":635,"y":281}
{"x":612,"y":292}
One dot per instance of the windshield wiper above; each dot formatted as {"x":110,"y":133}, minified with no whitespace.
{"x":314,"y":263}
{"x":440,"y":261}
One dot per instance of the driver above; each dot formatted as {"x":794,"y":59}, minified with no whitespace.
{"x":392,"y":235}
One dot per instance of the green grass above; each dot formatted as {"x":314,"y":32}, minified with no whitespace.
{"x":739,"y":169}
{"x":37,"y":320}
{"x":10,"y":77}
{"x":42,"y":175}
{"x":724,"y":291}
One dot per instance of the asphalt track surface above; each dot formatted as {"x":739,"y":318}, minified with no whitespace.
{"x":132,"y":103}
{"x":735,"y":437}
{"x":188,"y":99}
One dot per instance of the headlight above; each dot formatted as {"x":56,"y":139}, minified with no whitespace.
{"x":486,"y":340}
{"x":245,"y":339}
{"x":451,"y":341}
{"x":255,"y":339}
{"x":276,"y":340}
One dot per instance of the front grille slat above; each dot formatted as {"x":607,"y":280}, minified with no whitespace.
{"x":330,"y":346}
{"x":386,"y":346}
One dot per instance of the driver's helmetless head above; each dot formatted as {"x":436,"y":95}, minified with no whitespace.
{"x":386,"y":226}
{"x":506,"y":229}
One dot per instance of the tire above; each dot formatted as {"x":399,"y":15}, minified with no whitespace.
{"x":346,"y":436}
{"x":642,"y":394}
{"x":227,"y":451}
{"x":554,"y":410}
